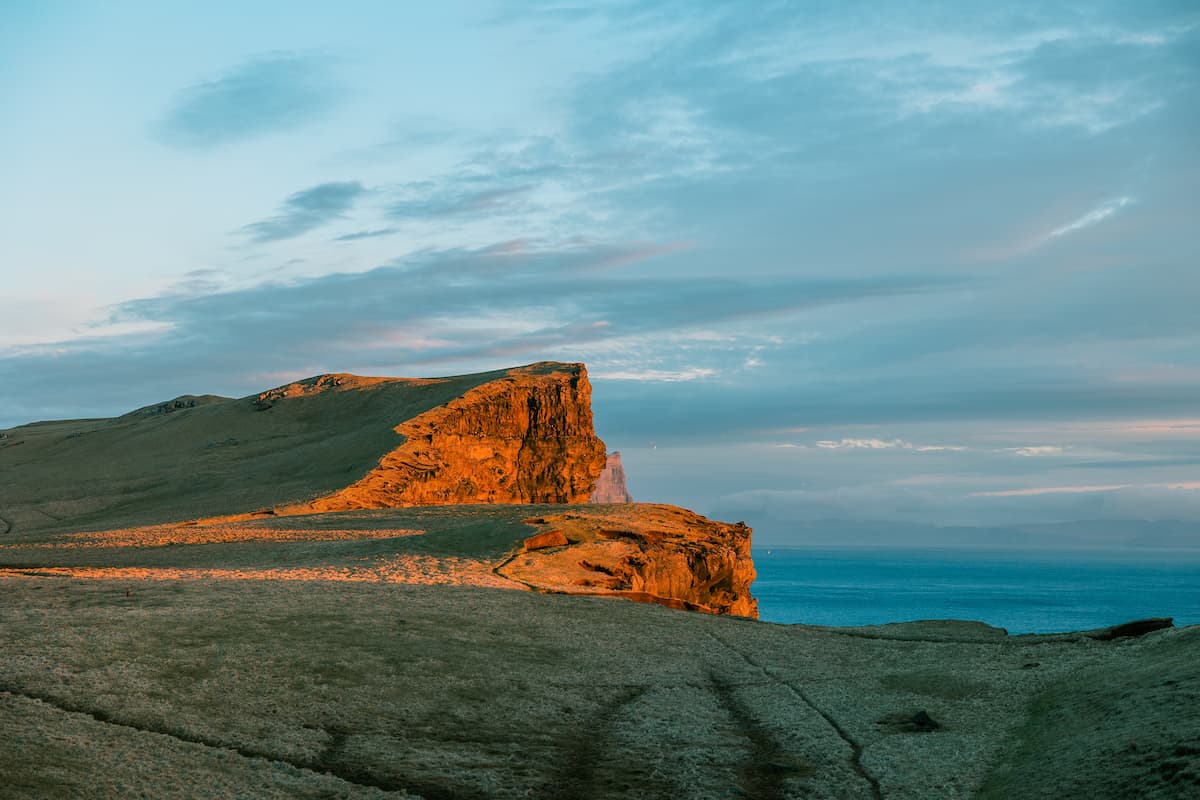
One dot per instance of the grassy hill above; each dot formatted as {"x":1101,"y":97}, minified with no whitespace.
{"x":211,"y":456}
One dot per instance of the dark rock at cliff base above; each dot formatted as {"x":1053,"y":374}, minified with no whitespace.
{"x":610,"y":486}
{"x":1138,"y":627}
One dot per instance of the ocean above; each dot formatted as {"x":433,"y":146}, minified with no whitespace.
{"x":1023,"y":592}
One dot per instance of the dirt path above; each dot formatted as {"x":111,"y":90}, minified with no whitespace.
{"x":856,"y":749}
{"x":763,"y":774}
{"x":577,"y":776}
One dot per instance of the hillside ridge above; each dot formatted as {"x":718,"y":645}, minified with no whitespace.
{"x":202,"y":473}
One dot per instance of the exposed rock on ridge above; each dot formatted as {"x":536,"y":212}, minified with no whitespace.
{"x":610,"y":486}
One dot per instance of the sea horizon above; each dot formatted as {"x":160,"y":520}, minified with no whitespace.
{"x":1029,"y":590}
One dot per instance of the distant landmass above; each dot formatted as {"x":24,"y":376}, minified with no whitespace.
{"x":778,"y":531}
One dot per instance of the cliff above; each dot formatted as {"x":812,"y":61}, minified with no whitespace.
{"x":525,"y":438}
{"x":649,"y":553}
{"x":610,"y":486}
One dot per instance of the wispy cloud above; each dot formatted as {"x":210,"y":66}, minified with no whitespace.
{"x":883,"y":444}
{"x":1034,"y":452}
{"x":1181,"y":486}
{"x":1096,"y":215}
{"x":656,"y":375}
{"x":1040,"y":490}
{"x":306,"y":210}
{"x":369,"y":234}
{"x":268,"y":94}
{"x":452,"y":201}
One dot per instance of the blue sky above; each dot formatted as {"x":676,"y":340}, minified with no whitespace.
{"x":931,"y":262}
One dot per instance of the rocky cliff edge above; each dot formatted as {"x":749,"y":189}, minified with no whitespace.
{"x":649,"y":553}
{"x":526,"y":437}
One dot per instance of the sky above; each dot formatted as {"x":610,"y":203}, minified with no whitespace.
{"x":916,"y":261}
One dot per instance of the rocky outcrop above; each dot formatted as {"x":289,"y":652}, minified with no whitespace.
{"x":178,"y":404}
{"x":550,"y":538}
{"x":650,"y":553}
{"x":610,"y":486}
{"x":526,"y":437}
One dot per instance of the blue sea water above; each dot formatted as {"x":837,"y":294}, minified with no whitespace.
{"x":1023,"y":592}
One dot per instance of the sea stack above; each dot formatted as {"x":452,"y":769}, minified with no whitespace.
{"x":610,"y":486}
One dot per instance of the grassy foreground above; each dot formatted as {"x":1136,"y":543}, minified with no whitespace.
{"x":188,"y":684}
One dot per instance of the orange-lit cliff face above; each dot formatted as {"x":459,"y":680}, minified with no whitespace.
{"x":649,"y":553}
{"x":524,"y":438}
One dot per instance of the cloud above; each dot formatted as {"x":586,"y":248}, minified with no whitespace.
{"x":1096,"y":215}
{"x":446,"y":311}
{"x":369,"y":234}
{"x":453,"y":201}
{"x":1040,"y":490}
{"x":660,"y":375}
{"x":306,"y":210}
{"x":778,"y":511}
{"x":883,"y":444}
{"x":265,"y":95}
{"x":1033,"y":452}
{"x":861,"y":444}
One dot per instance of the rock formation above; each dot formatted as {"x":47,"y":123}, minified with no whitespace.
{"x":650,"y":553}
{"x":525,"y":438}
{"x":610,"y":486}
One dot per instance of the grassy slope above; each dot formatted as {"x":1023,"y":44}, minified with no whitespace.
{"x":221,"y":457}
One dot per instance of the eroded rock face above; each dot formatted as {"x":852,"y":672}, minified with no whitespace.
{"x":650,"y":553}
{"x":524,"y":438}
{"x":545,"y":539}
{"x":610,"y":486}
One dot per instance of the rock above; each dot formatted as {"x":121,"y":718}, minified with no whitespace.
{"x":1138,"y":627}
{"x":911,"y":722}
{"x":661,"y":554}
{"x":525,"y":438}
{"x":311,"y":386}
{"x":610,"y":486}
{"x":180,"y":403}
{"x":545,"y":539}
